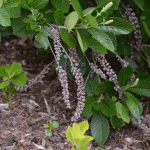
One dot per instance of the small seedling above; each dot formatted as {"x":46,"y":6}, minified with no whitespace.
{"x":27,"y":120}
{"x":50,"y":126}
{"x":11,"y":74}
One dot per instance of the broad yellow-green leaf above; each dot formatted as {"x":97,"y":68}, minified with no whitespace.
{"x":71,"y":20}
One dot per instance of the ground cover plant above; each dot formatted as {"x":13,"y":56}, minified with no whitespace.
{"x":68,"y":29}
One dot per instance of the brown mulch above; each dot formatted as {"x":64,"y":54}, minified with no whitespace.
{"x":17,"y":134}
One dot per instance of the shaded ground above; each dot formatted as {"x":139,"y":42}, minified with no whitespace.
{"x":17,"y":134}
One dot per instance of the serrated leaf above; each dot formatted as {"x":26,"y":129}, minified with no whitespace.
{"x":88,"y":11}
{"x":77,"y":7}
{"x":108,"y":108}
{"x":103,"y":38}
{"x":143,"y":86}
{"x":140,"y":3}
{"x":4,"y":84}
{"x":16,"y":67}
{"x":2,"y":71}
{"x":133,"y":104}
{"x":82,"y":41}
{"x":48,"y":132}
{"x":63,"y":5}
{"x":68,"y":38}
{"x":19,"y":80}
{"x":11,"y":3}
{"x":99,"y":128}
{"x":38,"y":4}
{"x":88,"y":109}
{"x":116,"y":122}
{"x":91,"y":84}
{"x":123,"y":75}
{"x":122,"y":112}
{"x":92,"y":21}
{"x":55,"y":124}
{"x":119,"y":26}
{"x":115,"y":30}
{"x":93,"y":43}
{"x":71,"y":20}
{"x":42,"y":39}
{"x":19,"y":27}
{"x":59,"y":16}
{"x":4,"y":18}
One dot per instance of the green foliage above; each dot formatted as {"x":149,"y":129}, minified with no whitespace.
{"x":50,"y":126}
{"x":11,"y":73}
{"x":76,"y":135}
{"x":100,"y":28}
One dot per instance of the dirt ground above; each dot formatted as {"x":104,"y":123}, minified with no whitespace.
{"x":18,"y":134}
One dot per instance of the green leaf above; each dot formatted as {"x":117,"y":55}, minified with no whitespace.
{"x":34,"y":25}
{"x":122,"y":112}
{"x":93,"y":43}
{"x":145,"y":20}
{"x":4,"y":18}
{"x":108,"y":108}
{"x":71,"y":20}
{"x":19,"y":27}
{"x":68,"y":38}
{"x":55,"y":124}
{"x":11,"y":3}
{"x":116,"y":122}
{"x":104,"y":87}
{"x":4,"y":84}
{"x":139,"y":3}
{"x":143,"y":86}
{"x":82,"y":41}
{"x":1,"y":3}
{"x":48,"y":132}
{"x":123,"y":75}
{"x":88,"y":109}
{"x":77,"y":7}
{"x":4,"y":89}
{"x":133,"y":104}
{"x":103,"y":38}
{"x":118,"y":26}
{"x":147,"y":54}
{"x":59,"y":16}
{"x":15,"y":12}
{"x":88,"y":11}
{"x":100,"y":128}
{"x":42,"y":39}
{"x":63,"y":5}
{"x":2,"y":71}
{"x":83,"y":126}
{"x":19,"y":80}
{"x":91,"y":84}
{"x":92,"y":21}
{"x":38,"y":4}
{"x":47,"y":31}
{"x":16,"y":67}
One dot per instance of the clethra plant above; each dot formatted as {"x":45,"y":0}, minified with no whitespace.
{"x":11,"y":73}
{"x":76,"y":135}
{"x":69,"y":35}
{"x":50,"y":126}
